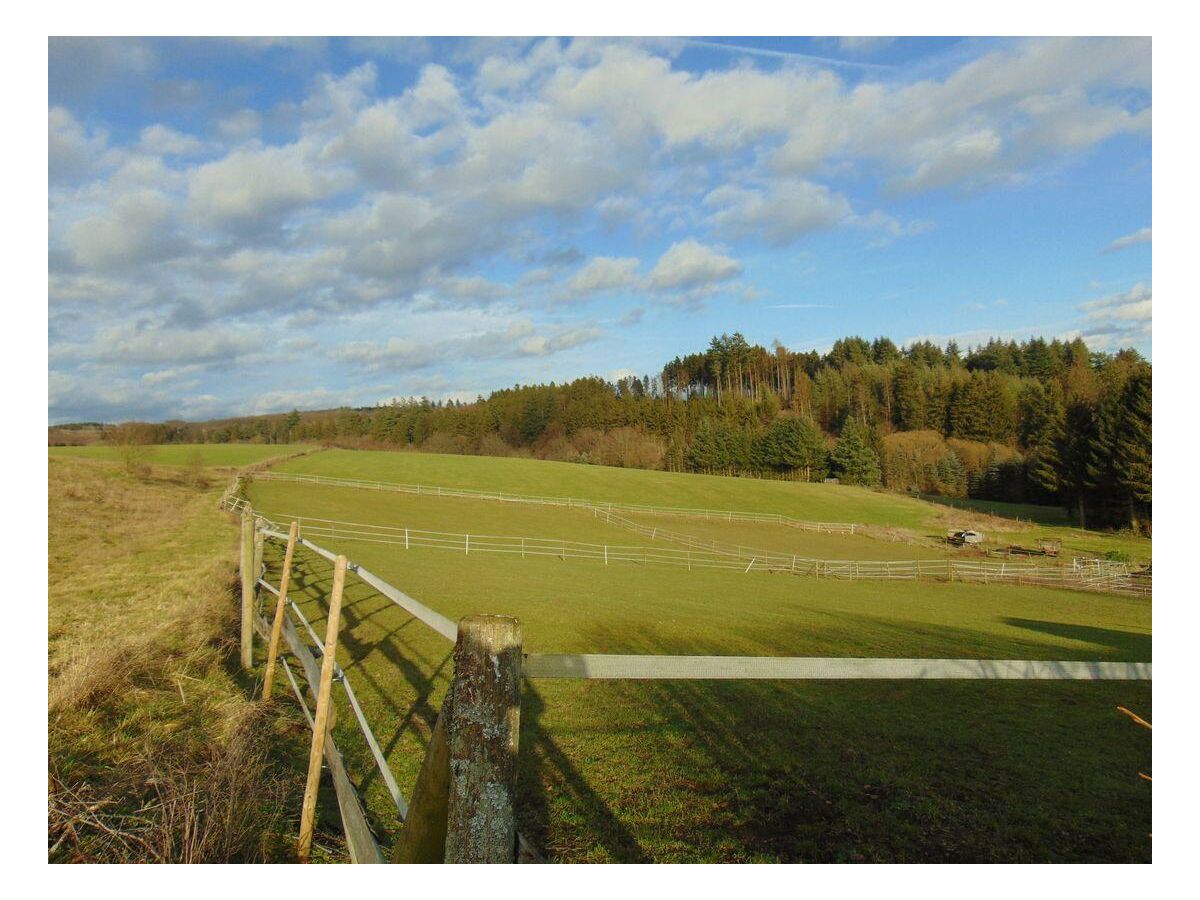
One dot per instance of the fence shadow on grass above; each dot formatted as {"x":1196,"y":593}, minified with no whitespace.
{"x":861,"y":771}
{"x":1130,"y":644}
{"x":542,"y":763}
{"x":372,"y":635}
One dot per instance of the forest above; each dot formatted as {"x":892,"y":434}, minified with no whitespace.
{"x":1039,"y":421}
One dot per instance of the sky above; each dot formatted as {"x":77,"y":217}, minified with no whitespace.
{"x":238,"y":227}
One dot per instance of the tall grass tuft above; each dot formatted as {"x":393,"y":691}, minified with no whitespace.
{"x":157,"y":753}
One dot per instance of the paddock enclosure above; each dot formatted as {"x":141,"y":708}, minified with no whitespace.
{"x":782,"y":683}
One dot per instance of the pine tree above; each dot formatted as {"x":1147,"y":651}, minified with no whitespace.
{"x":1074,"y":446}
{"x":1132,"y":446}
{"x":853,"y":459}
{"x":909,"y":405}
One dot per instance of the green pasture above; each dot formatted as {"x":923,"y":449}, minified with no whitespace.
{"x":287,"y":500}
{"x":813,"y":502}
{"x":214,"y":455}
{"x":820,"y":502}
{"x":738,"y":771}
{"x":1022,"y":512}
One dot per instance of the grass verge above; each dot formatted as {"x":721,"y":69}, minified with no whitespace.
{"x":156,"y":754}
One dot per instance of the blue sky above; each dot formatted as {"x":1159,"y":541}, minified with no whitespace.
{"x":247,"y":226}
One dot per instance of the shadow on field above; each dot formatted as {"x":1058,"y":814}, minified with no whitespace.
{"x":542,"y":764}
{"x":896,"y":771}
{"x":369,"y":627}
{"x":1129,"y":644}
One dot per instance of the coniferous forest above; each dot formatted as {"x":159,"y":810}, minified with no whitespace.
{"x":1047,"y":422}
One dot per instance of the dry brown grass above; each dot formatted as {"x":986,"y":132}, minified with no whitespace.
{"x":156,"y":752}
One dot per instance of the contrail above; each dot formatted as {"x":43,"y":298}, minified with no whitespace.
{"x":783,"y":54}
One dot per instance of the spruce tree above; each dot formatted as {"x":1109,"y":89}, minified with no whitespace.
{"x":853,"y":459}
{"x":1132,"y":446}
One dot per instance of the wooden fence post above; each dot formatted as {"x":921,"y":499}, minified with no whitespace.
{"x":483,"y":733}
{"x":248,"y":580}
{"x":321,"y":716}
{"x":259,"y":543}
{"x":285,"y":579}
{"x":423,"y":839}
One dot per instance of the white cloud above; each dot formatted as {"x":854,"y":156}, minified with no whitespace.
{"x":241,"y":125}
{"x":162,"y":140}
{"x":953,"y":159}
{"x":498,"y":165}
{"x":153,"y":343}
{"x":520,"y":338}
{"x":604,"y":273}
{"x":786,"y":210}
{"x":1118,"y":320}
{"x":254,"y":184}
{"x":1141,"y":236}
{"x":74,"y":151}
{"x":690,"y":264}
{"x":135,"y":229}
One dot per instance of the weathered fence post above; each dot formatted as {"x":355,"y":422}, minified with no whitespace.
{"x":248,"y":580}
{"x":483,"y":733}
{"x":321,"y":716}
{"x":259,"y":543}
{"x":423,"y":839}
{"x":285,"y":579}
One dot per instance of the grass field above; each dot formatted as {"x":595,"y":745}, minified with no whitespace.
{"x":730,"y":771}
{"x":215,"y":455}
{"x":156,"y":751}
{"x":814,"y":502}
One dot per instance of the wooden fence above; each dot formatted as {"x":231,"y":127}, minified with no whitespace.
{"x":463,"y":806}
{"x":469,"y":773}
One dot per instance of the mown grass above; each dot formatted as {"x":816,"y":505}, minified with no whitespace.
{"x":185,"y":454}
{"x":480,"y":518}
{"x":815,"y":502}
{"x":1029,"y":512}
{"x":740,"y":771}
{"x":156,"y":752}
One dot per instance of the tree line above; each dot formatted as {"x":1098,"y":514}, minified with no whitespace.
{"x":1036,"y":421}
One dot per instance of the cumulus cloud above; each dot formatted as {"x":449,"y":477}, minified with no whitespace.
{"x":690,"y":264}
{"x":1141,"y":236}
{"x":789,"y":209}
{"x":166,"y":141}
{"x":519,"y":339}
{"x":1118,"y":320}
{"x":153,"y":343}
{"x":134,"y":230}
{"x":604,"y":273}
{"x":259,"y":183}
{"x":470,"y":186}
{"x":74,"y":151}
{"x":241,"y":125}
{"x":953,"y":159}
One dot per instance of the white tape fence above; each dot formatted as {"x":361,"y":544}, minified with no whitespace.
{"x":641,"y":667}
{"x":701,"y":555}
{"x":424,"y":490}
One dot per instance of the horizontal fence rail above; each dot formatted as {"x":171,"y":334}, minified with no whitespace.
{"x":425,"y":490}
{"x":550,"y":665}
{"x":605,"y":666}
{"x":602,"y":666}
{"x":713,"y":555}
{"x":360,"y":840}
